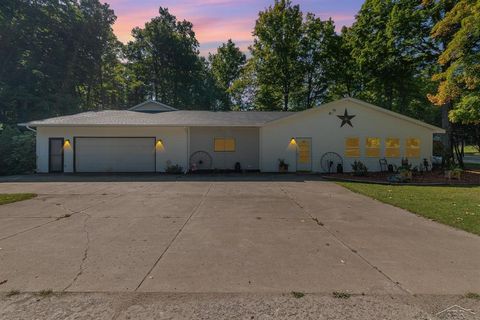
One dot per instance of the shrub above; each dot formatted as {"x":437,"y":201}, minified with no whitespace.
{"x":359,"y":169}
{"x":174,"y":169}
{"x":17,"y":151}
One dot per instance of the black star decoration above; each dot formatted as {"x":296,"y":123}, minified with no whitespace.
{"x":346,"y":119}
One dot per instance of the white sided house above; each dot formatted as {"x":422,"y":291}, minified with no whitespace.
{"x":152,"y":136}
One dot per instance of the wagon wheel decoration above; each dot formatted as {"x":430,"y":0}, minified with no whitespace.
{"x":200,"y":160}
{"x":330,"y":161}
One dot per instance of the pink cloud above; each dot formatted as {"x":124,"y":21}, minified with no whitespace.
{"x":214,"y":21}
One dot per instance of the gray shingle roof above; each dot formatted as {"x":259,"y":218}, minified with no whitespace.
{"x":172,"y":118}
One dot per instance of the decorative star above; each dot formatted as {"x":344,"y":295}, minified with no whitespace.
{"x":346,"y":119}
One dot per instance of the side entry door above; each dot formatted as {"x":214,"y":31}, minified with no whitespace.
{"x":304,"y":154}
{"x":55,"y":155}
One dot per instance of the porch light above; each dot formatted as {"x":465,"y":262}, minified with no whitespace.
{"x":292,"y":145}
{"x":66,"y":144}
{"x":159,"y":145}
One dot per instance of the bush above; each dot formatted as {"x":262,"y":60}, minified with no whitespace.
{"x":174,"y":169}
{"x":359,"y":169}
{"x":17,"y":151}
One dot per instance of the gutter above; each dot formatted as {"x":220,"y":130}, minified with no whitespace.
{"x":26,"y":126}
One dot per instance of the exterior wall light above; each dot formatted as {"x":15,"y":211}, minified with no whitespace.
{"x":159,"y":145}
{"x":292,"y":145}
{"x":66,"y":144}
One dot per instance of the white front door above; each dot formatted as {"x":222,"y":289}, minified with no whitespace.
{"x":304,"y":154}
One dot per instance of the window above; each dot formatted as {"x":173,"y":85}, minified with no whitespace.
{"x":372,"y":147}
{"x":412,"y":148}
{"x":392,"y":148}
{"x":352,"y":147}
{"x":224,"y":145}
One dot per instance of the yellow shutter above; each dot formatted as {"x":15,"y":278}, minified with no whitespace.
{"x":224,"y":145}
{"x":352,"y":147}
{"x":392,"y":148}
{"x":412,"y":148}
{"x":229,"y":145}
{"x":219,"y":145}
{"x":372,"y":147}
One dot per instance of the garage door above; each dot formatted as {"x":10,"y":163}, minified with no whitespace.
{"x":115,"y":154}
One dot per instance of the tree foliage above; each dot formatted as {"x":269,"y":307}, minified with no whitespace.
{"x":226,"y":65}
{"x":165,"y":64}
{"x":276,"y":54}
{"x":55,"y":58}
{"x":459,"y":79}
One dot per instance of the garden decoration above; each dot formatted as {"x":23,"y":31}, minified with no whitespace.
{"x":331,"y":162}
{"x":200,"y":160}
{"x":346,"y":119}
{"x":454,"y":172}
{"x":383,"y":165}
{"x":282,"y":165}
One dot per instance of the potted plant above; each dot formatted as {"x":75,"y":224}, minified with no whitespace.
{"x":282,"y":165}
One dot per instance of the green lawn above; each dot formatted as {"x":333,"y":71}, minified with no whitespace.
{"x":455,"y":206}
{"x":14,"y":197}
{"x":471,"y":150}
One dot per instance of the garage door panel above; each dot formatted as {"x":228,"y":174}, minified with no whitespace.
{"x":115,"y":154}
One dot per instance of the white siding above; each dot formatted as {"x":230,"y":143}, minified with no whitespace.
{"x":246,"y":146}
{"x":323,"y":126}
{"x":174,"y":142}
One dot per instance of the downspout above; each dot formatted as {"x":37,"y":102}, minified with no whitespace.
{"x":28,"y":127}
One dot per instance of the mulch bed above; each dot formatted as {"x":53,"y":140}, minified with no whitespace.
{"x":469,"y":177}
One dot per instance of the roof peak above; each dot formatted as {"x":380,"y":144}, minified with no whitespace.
{"x":152,"y":106}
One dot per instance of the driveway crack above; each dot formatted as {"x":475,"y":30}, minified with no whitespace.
{"x":344,"y":243}
{"x":194,"y":210}
{"x":85,"y":252}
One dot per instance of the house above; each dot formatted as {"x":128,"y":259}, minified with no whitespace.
{"x":152,"y":136}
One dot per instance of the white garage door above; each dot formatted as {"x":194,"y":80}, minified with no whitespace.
{"x":115,"y":154}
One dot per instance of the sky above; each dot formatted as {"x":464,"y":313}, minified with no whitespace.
{"x":216,"y":21}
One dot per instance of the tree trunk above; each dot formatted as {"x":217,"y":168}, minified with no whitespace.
{"x":447,"y":138}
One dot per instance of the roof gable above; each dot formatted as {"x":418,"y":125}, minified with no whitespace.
{"x":152,"y":106}
{"x":369,"y":106}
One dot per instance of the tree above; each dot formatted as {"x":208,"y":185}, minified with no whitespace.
{"x":53,"y":56}
{"x":276,"y":52}
{"x":459,"y":80}
{"x":164,"y":61}
{"x":320,"y":51}
{"x":226,"y":66}
{"x":391,"y":46}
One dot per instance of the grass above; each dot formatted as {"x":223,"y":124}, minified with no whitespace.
{"x":14,"y":197}
{"x":471,"y":150}
{"x":341,"y":295}
{"x":472,"y":295}
{"x":12,"y":293}
{"x":297,"y":294}
{"x":458,"y":207}
{"x":45,"y":293}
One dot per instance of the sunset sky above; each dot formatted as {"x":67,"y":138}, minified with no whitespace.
{"x":215,"y":21}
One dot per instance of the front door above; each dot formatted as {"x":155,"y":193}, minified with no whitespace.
{"x":304,"y":154}
{"x":55,"y":155}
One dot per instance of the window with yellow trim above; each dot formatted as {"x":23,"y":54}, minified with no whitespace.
{"x":224,"y":145}
{"x":372,"y":147}
{"x":392,"y":148}
{"x":412,"y":149}
{"x":352,"y":147}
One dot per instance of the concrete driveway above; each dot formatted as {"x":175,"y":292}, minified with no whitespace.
{"x":211,"y":236}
